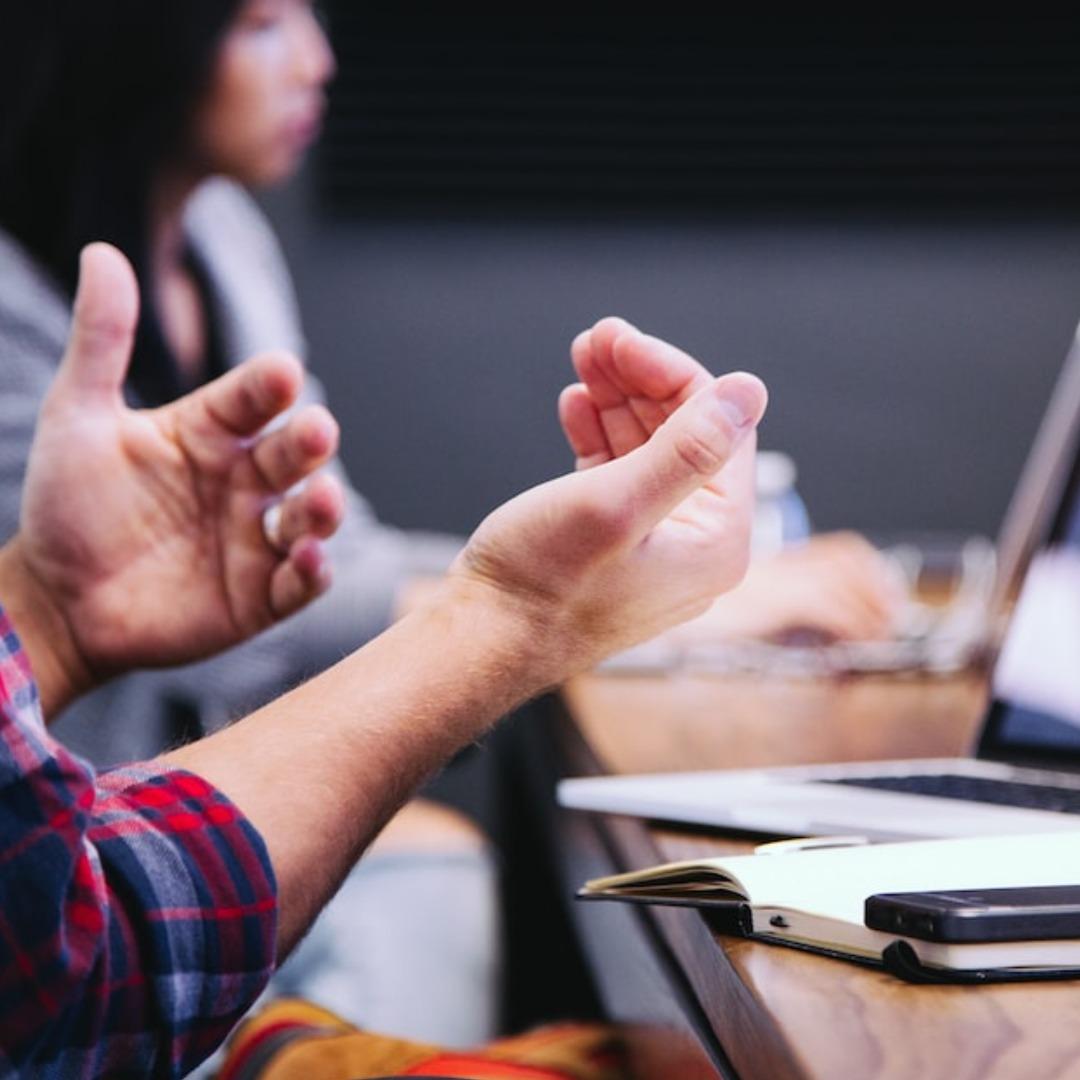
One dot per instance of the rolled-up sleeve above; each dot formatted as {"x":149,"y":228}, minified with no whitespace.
{"x":137,"y":908}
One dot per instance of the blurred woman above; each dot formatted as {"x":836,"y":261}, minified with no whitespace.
{"x":143,"y":124}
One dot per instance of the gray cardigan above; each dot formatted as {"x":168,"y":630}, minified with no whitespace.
{"x":255,"y":310}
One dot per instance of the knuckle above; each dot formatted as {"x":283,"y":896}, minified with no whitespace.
{"x":250,"y":397}
{"x":101,"y":331}
{"x":700,"y":456}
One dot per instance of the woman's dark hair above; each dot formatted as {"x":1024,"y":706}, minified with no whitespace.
{"x":97,"y":96}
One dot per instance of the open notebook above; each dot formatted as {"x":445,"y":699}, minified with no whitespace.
{"x":815,"y":899}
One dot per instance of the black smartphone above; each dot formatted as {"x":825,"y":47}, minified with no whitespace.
{"x":969,"y":915}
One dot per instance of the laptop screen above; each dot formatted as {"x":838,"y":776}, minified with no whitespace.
{"x":1036,"y":681}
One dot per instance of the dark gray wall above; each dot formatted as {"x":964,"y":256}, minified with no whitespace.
{"x":908,"y":364}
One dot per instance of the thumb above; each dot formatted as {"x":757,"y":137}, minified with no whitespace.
{"x":689,"y":449}
{"x":103,"y":326}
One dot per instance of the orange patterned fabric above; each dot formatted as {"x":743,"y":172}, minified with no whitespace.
{"x":293,"y":1040}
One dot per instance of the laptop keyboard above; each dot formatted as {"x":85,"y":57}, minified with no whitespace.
{"x":974,"y":789}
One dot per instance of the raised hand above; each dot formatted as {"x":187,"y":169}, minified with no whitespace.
{"x":837,"y":586}
{"x":548,"y":584}
{"x":142,"y":531}
{"x":657,"y":520}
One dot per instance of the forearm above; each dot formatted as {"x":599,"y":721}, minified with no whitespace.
{"x":319,"y":771}
{"x":550,"y":582}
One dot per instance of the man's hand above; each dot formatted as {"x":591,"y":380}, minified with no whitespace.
{"x":141,"y":540}
{"x":655,"y":523}
{"x":548,"y":584}
{"x":833,"y":587}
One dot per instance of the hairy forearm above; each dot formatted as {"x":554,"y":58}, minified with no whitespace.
{"x":320,"y":770}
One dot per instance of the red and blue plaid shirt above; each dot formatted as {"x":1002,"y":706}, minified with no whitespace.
{"x":137,"y":908}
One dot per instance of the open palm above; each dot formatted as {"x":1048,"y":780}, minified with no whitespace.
{"x":145,"y":527}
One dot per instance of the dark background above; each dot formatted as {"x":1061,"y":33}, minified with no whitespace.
{"x":882,"y":218}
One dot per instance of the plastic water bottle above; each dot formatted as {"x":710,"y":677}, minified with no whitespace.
{"x":781,"y":517}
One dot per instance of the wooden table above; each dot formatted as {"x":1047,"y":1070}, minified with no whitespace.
{"x":699,"y":1004}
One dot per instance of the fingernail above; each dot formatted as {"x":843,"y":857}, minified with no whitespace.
{"x":740,"y":400}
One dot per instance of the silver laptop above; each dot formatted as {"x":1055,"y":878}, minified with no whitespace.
{"x":1025,"y":775}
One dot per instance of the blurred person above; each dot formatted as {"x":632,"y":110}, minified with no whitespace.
{"x":143,"y":124}
{"x":144,"y":907}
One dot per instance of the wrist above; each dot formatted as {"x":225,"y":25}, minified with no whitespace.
{"x":516,"y":638}
{"x":60,"y":670}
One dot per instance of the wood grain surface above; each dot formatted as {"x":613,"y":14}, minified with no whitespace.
{"x":778,"y":1012}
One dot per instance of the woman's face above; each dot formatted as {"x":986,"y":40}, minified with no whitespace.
{"x":265,"y":102}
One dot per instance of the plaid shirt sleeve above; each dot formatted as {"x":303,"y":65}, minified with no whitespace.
{"x":137,"y":908}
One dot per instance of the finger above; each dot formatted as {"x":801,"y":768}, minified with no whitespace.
{"x":875,"y":614}
{"x":656,"y":376}
{"x":591,"y":355}
{"x":247,"y":398}
{"x":691,"y":448}
{"x":620,"y":408}
{"x":846,"y":620}
{"x":316,"y":510}
{"x":866,"y":574}
{"x":622,"y":429}
{"x":844,"y":541}
{"x":285,"y":456}
{"x":300,"y":578}
{"x":650,"y":414}
{"x":581,"y":425}
{"x":103,"y":325}
{"x":637,"y":380}
{"x":657,"y":370}
{"x":888,"y":588}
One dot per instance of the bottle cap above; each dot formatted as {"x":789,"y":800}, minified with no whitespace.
{"x":776,"y":474}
